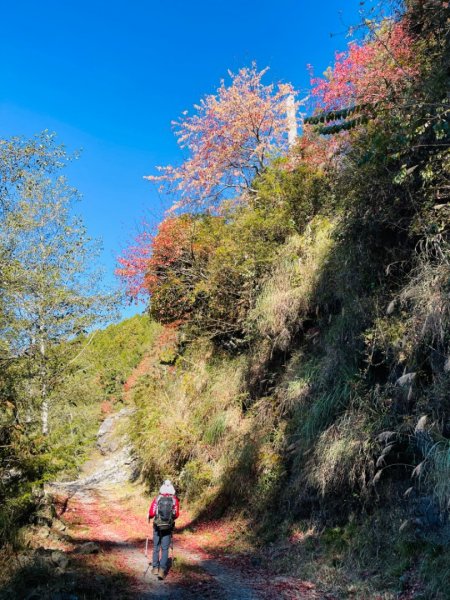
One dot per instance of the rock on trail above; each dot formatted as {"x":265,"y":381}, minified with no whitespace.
{"x":115,"y":462}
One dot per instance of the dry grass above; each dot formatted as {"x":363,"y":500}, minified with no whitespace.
{"x":437,"y":473}
{"x":425,"y":297}
{"x":288,"y":294}
{"x":189,"y":415}
{"x":342,"y":457}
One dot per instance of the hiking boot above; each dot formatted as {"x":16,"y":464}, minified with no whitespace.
{"x":155,"y":570}
{"x":161,"y":573}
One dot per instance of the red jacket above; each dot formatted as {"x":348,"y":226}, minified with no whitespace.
{"x":154,"y":504}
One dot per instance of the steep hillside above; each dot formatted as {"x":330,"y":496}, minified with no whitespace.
{"x":292,"y":376}
{"x":305,"y":377}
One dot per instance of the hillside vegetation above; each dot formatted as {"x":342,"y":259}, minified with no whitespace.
{"x":90,"y":386}
{"x":303,"y":376}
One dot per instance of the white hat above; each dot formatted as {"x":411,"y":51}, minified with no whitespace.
{"x":167,"y":488}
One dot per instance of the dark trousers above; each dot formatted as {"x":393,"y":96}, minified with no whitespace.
{"x":161,"y":540}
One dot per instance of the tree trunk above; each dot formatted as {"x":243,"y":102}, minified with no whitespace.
{"x":44,"y":400}
{"x":44,"y":411}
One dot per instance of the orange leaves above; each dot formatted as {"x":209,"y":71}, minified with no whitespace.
{"x":169,"y":265}
{"x":133,"y":265}
{"x":141,"y":265}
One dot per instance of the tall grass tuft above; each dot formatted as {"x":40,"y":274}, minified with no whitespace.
{"x":288,"y":294}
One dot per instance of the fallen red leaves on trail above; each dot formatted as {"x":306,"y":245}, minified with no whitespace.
{"x":119,"y":527}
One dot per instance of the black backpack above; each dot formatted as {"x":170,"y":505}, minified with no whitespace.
{"x":164,"y":519}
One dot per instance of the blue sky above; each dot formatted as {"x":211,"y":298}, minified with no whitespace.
{"x":108,"y":78}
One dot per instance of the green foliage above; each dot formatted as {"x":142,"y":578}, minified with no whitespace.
{"x":251,"y":238}
{"x":216,"y":429}
{"x":248,"y":241}
{"x":291,"y":197}
{"x":215,"y":281}
{"x":195,"y":477}
{"x":49,"y":282}
{"x":53,"y":376}
{"x":435,"y":571}
{"x":343,"y":456}
{"x":186,"y":417}
{"x":101,"y":363}
{"x":115,"y":351}
{"x":288,"y":296}
{"x":299,"y":310}
{"x":270,"y":473}
{"x":438,"y":472}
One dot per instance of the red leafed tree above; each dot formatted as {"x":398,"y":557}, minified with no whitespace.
{"x":230,"y":139}
{"x":150,"y":255}
{"x":377,"y":70}
{"x":316,"y":150}
{"x":169,"y":266}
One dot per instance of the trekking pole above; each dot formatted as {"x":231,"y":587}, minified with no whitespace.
{"x":146,"y":541}
{"x":146,"y":570}
{"x":146,"y":555}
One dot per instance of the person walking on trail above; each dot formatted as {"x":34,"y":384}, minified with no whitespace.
{"x":164,"y":509}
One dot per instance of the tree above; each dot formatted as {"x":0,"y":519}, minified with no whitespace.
{"x":230,"y":140}
{"x":377,"y":70}
{"x":48,"y":285}
{"x":368,"y":81}
{"x":169,"y":265}
{"x":145,"y":261}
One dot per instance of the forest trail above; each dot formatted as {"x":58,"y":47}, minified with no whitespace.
{"x":105,"y":515}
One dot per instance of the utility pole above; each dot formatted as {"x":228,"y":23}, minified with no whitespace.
{"x":291,"y":120}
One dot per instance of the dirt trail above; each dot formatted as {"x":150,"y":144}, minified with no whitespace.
{"x":102,"y":507}
{"x":120,"y":534}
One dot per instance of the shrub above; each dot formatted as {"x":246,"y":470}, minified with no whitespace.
{"x":188,"y":415}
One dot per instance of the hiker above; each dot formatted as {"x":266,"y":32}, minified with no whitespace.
{"x":164,"y":509}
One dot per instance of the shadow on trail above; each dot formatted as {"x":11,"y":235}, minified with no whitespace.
{"x":98,"y":577}
{"x":41,"y":579}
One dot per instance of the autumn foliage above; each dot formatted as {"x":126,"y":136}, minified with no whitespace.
{"x":167,"y":265}
{"x":370,"y":76}
{"x":150,"y":253}
{"x":230,"y":139}
{"x":373,"y":71}
{"x":311,"y":369}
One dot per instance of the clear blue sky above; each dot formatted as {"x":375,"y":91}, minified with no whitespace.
{"x":109,"y":76}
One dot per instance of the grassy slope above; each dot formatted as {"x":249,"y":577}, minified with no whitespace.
{"x":320,"y":410}
{"x":327,"y":428}
{"x":96,"y":386}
